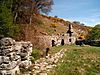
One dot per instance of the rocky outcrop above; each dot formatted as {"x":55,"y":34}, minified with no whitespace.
{"x":14,"y":55}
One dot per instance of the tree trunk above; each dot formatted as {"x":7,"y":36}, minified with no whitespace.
{"x":31,"y":20}
{"x":15,"y":17}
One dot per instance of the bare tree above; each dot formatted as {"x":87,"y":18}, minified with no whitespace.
{"x":43,"y":6}
{"x":21,"y":8}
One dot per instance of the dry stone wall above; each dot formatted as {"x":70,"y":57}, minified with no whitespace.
{"x":13,"y":56}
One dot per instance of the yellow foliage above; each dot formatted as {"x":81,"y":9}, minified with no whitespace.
{"x":81,"y":37}
{"x":54,"y":25}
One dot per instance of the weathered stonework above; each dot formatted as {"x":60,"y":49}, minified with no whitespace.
{"x":13,"y":55}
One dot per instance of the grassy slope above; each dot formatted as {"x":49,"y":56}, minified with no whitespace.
{"x":37,"y":53}
{"x":61,"y":26}
{"x":79,"y":61}
{"x":43,"y":24}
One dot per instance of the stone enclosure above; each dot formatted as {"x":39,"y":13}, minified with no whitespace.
{"x":13,"y":56}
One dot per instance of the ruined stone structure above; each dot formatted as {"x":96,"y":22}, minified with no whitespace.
{"x":47,"y":41}
{"x":71,"y":37}
{"x":14,"y":55}
{"x":67,"y":38}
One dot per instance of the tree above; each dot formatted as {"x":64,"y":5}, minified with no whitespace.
{"x":76,"y":22}
{"x":21,"y":9}
{"x":95,"y":33}
{"x":43,"y":6}
{"x":24,"y":8}
{"x":82,"y":24}
{"x":6,"y":19}
{"x":12,"y":11}
{"x":56,"y":16}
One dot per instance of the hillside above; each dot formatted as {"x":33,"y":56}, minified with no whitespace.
{"x":46,"y":26}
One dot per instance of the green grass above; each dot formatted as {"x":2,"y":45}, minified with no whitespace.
{"x":79,"y":61}
{"x":35,"y":54}
{"x":56,"y":49}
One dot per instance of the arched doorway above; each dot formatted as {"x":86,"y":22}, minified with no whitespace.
{"x":53,"y":43}
{"x":62,"y":42}
{"x":70,"y":40}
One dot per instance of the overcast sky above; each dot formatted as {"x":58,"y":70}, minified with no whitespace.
{"x":85,"y":11}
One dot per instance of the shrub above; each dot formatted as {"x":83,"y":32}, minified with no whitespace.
{"x":54,"y":25}
{"x":35,"y":54}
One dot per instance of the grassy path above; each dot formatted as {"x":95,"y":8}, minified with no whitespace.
{"x":79,"y":61}
{"x":43,"y":65}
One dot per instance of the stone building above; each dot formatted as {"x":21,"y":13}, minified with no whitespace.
{"x":47,"y":41}
{"x":67,"y":38}
{"x":70,"y":35}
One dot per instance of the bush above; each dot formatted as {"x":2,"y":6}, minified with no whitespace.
{"x":95,"y":33}
{"x":54,"y":25}
{"x":35,"y":54}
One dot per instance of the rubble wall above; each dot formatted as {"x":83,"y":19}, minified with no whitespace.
{"x":13,"y":56}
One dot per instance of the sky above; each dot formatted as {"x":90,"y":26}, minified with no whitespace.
{"x":85,"y":11}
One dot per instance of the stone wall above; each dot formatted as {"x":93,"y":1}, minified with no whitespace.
{"x":13,"y":56}
{"x":67,"y":38}
{"x":44,"y":42}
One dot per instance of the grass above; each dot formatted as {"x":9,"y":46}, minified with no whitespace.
{"x":79,"y":61}
{"x":36,"y":53}
{"x":56,"y":49}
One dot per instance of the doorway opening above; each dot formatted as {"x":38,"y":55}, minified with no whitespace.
{"x":62,"y":42}
{"x":53,"y":43}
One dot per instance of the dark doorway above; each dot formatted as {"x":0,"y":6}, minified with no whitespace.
{"x":47,"y":50}
{"x":62,"y":42}
{"x":70,"y":40}
{"x":53,"y":43}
